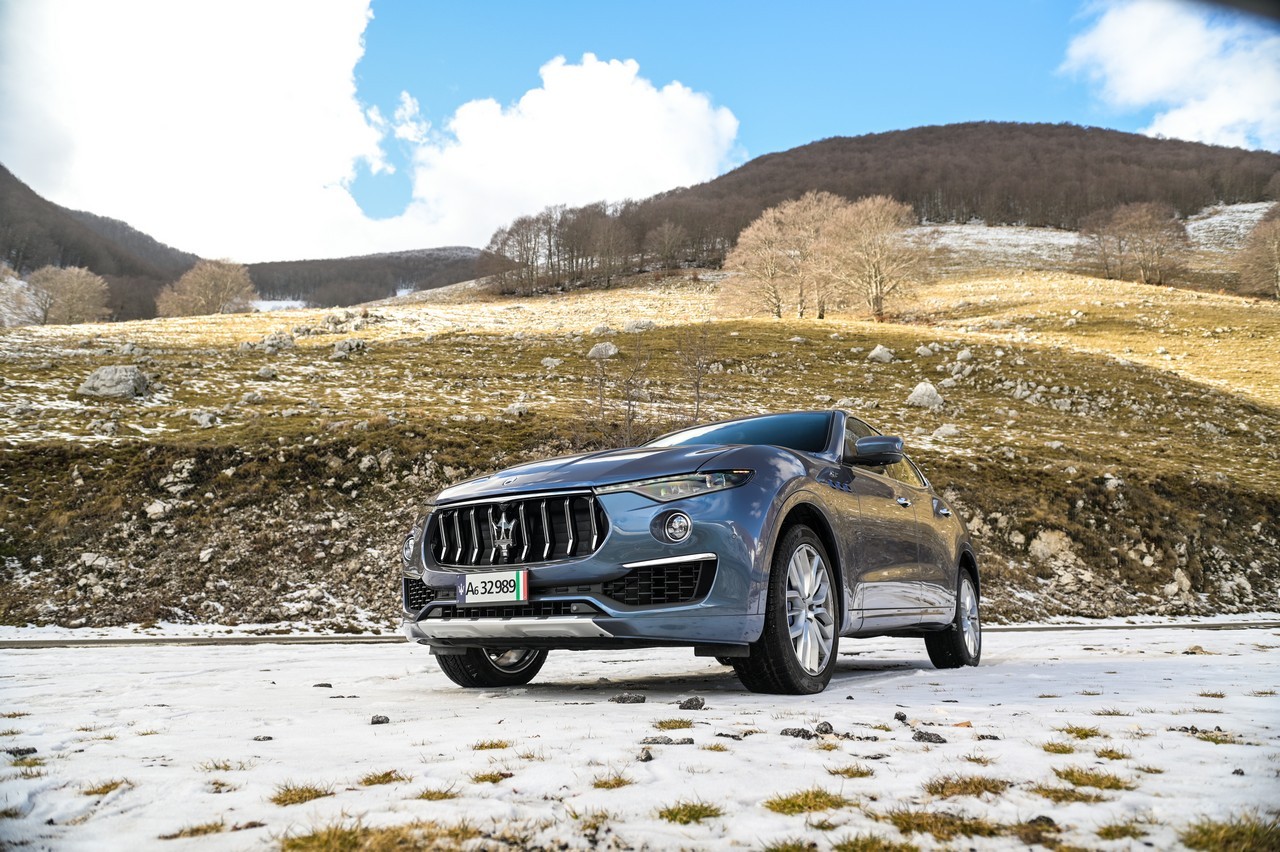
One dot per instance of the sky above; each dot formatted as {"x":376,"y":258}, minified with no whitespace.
{"x":319,"y":128}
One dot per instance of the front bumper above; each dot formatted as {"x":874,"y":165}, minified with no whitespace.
{"x":634,"y":590}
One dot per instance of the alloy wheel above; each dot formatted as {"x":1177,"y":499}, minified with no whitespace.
{"x":810,"y":621}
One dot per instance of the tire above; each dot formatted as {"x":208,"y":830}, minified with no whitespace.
{"x":961,"y":643}
{"x":489,"y":667}
{"x":802,"y":601}
{"x":725,"y":661}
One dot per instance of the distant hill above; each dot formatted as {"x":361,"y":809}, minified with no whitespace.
{"x":350,"y":280}
{"x":35,"y":232}
{"x":999,"y":172}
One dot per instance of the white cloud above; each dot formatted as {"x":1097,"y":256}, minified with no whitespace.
{"x":233,"y":128}
{"x":1209,"y":77}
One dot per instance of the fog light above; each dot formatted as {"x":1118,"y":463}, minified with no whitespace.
{"x":678,"y":527}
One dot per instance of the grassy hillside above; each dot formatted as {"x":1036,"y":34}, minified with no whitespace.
{"x":1113,"y":447}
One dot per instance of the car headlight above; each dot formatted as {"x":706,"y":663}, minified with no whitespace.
{"x":668,"y":488}
{"x":409,"y":543}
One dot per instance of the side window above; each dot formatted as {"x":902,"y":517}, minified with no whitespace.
{"x":905,"y":471}
{"x":853,"y":430}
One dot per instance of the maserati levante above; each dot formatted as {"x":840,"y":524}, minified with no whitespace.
{"x":761,"y":541}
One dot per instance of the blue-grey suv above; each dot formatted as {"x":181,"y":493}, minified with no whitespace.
{"x":759,"y":541}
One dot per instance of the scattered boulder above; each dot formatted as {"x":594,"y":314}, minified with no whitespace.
{"x":204,"y":419}
{"x":379,"y":720}
{"x":644,"y":756}
{"x":964,"y":355}
{"x":638,"y":325}
{"x":350,"y":346}
{"x":516,"y":409}
{"x":928,"y":737}
{"x":923,"y":351}
{"x":551,"y":363}
{"x":278,"y":340}
{"x":925,"y":396}
{"x":267,"y":373}
{"x":602,"y":329}
{"x":883,"y":354}
{"x":799,"y":733}
{"x":694,"y":703}
{"x":627,"y":698}
{"x":118,"y":380}
{"x":158,"y":509}
{"x":602,"y":351}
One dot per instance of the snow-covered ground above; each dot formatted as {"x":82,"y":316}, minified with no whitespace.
{"x":278,"y":304}
{"x":202,"y":736}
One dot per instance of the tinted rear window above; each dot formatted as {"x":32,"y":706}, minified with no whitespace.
{"x":806,"y":432}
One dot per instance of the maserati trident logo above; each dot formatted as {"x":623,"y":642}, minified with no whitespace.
{"x":503,"y":532}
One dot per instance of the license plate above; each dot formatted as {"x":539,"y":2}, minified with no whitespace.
{"x":495,"y":587}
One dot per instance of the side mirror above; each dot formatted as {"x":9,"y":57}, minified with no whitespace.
{"x":876,"y":451}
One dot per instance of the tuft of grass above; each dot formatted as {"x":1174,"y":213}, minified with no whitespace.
{"x":1048,"y":695}
{"x":197,"y":831}
{"x":685,"y":813}
{"x":28,"y":762}
{"x":491,"y":777}
{"x":1244,"y":833}
{"x":806,"y":801}
{"x":673,"y":724}
{"x":1212,"y":694}
{"x":10,"y":732}
{"x":1113,"y":754}
{"x":391,"y":776}
{"x":1129,"y":830}
{"x":104,"y":788}
{"x":1059,"y":748}
{"x":1080,"y":732}
{"x":1111,"y":711}
{"x":150,"y":732}
{"x":30,"y":772}
{"x":1263,"y":693}
{"x":853,"y":770}
{"x":790,"y":844}
{"x":1064,"y":795}
{"x":827,"y":746}
{"x":430,"y":795}
{"x":1079,"y":776}
{"x":14,"y":714}
{"x":1205,"y":710}
{"x":11,"y":813}
{"x":219,"y":786}
{"x":225,"y":765}
{"x":487,"y":745}
{"x":980,"y":759}
{"x":611,"y":782}
{"x":871,"y":843}
{"x":947,"y":786}
{"x":715,"y":747}
{"x":1090,"y":692}
{"x":295,"y":794}
{"x":1218,"y":737}
{"x":591,"y":821}
{"x":338,"y":837}
{"x":943,"y":826}
{"x":1150,"y":770}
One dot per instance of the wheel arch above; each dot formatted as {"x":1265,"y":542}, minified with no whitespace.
{"x":805,"y":513}
{"x":969,"y":562}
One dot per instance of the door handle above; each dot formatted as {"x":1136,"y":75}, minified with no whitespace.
{"x":944,"y":511}
{"x":904,"y":502}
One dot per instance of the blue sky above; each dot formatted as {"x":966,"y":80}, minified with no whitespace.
{"x":791,"y":77}
{"x":293,"y":128}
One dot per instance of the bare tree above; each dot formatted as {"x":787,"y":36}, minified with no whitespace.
{"x":1259,"y":259}
{"x":1102,"y":244}
{"x":72,"y":294}
{"x":696,"y":352}
{"x":761,"y":257}
{"x":1154,"y":238}
{"x":667,"y":243}
{"x":210,"y":287}
{"x":865,"y":252}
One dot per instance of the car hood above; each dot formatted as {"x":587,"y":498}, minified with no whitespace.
{"x":585,"y":470}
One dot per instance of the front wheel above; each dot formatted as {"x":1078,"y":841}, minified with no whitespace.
{"x":961,"y":643}
{"x":488,"y":667}
{"x":796,"y":652}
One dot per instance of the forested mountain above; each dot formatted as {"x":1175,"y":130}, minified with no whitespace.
{"x":35,"y":233}
{"x":167,"y":259}
{"x":348,"y":280}
{"x":1002,"y":173}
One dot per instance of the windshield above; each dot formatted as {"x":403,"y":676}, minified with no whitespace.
{"x":806,"y":432}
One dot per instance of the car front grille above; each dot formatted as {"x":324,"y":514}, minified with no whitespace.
{"x":673,"y":583}
{"x":518,"y":531}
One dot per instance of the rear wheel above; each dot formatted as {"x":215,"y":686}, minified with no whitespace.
{"x":796,"y":652}
{"x":487,"y":667}
{"x":961,"y":643}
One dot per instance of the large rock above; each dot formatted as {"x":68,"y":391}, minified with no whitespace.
{"x":883,"y":354}
{"x":601,"y":351}
{"x":925,"y":396}
{"x":124,"y":381}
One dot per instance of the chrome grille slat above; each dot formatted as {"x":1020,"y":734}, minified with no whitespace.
{"x":534,"y":528}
